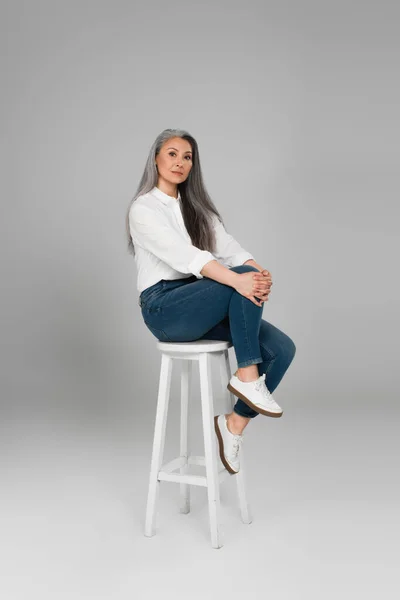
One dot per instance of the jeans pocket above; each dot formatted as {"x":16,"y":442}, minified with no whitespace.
{"x":147,"y":297}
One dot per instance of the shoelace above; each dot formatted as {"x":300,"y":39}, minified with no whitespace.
{"x":236,"y":445}
{"x":261,"y":387}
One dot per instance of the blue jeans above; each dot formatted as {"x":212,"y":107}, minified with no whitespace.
{"x":185,"y":310}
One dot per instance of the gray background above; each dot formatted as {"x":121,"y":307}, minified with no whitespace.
{"x":294,"y":106}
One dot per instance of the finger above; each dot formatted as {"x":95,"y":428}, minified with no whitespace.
{"x":263,"y":284}
{"x":260,"y":297}
{"x":255,"y":301}
{"x":264,"y":288}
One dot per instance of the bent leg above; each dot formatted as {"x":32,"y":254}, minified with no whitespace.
{"x":277,"y":351}
{"x":187,"y":312}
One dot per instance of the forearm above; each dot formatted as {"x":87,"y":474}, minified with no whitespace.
{"x":253,"y":264}
{"x":215,"y":270}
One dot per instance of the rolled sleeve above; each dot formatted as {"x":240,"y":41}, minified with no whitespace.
{"x":228,"y":249}
{"x":240,"y":258}
{"x":152,"y":232}
{"x":198,"y":262}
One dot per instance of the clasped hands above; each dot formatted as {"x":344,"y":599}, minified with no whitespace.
{"x":262,"y":285}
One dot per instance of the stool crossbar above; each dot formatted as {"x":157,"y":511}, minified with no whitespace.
{"x":200,"y":351}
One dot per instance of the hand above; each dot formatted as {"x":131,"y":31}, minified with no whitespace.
{"x":262,"y":283}
{"x":245,"y":286}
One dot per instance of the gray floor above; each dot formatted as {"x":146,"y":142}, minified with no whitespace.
{"x":322,"y":484}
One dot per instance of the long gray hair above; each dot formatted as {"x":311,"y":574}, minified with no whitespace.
{"x":196,"y":205}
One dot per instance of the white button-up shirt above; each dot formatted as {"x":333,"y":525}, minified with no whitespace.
{"x":163,"y":248}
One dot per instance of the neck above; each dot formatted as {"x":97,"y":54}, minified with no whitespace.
{"x":171,"y":189}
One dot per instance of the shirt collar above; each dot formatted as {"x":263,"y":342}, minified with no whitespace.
{"x":164,"y":197}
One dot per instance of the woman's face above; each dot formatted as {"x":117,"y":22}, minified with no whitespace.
{"x":174,"y":161}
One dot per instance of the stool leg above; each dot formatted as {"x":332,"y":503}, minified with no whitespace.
{"x":210,"y":449}
{"x":158,"y":443}
{"x":184,"y":446}
{"x":240,"y":477}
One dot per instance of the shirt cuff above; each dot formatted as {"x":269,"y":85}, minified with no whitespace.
{"x":240,"y":258}
{"x":201,"y":259}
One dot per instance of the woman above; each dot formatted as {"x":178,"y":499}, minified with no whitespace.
{"x":197,"y":282}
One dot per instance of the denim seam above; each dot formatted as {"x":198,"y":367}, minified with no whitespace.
{"x":269,"y":367}
{"x":271,"y":362}
{"x":250,"y":361}
{"x":272,"y":355}
{"x":245,"y":326}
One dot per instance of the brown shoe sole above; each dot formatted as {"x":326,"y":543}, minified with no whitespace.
{"x":221,"y":448}
{"x":253,"y":406}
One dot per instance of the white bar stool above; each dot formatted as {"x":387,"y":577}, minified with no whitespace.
{"x":200,"y":350}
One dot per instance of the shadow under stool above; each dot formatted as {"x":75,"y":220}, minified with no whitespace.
{"x":200,"y":351}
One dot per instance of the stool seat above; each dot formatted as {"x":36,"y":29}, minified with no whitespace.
{"x":196,"y":346}
{"x":187,"y":353}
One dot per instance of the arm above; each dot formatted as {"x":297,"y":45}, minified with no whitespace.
{"x":214,"y":270}
{"x":150,"y":230}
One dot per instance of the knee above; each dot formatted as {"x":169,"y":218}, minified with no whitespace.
{"x":284,"y":349}
{"x":289,"y":349}
{"x":243,"y":268}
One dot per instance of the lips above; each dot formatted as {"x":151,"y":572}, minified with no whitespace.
{"x":178,"y":172}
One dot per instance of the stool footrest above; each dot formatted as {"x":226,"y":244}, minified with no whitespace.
{"x":166,"y":471}
{"x":181,"y":461}
{"x":178,"y":478}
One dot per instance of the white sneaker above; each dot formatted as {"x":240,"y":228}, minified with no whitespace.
{"x":229,"y":445}
{"x":256,"y":395}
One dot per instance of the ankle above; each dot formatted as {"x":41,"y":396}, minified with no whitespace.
{"x":235,"y":423}
{"x":246,"y":375}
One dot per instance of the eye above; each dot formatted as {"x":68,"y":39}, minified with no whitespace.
{"x":172,"y":152}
